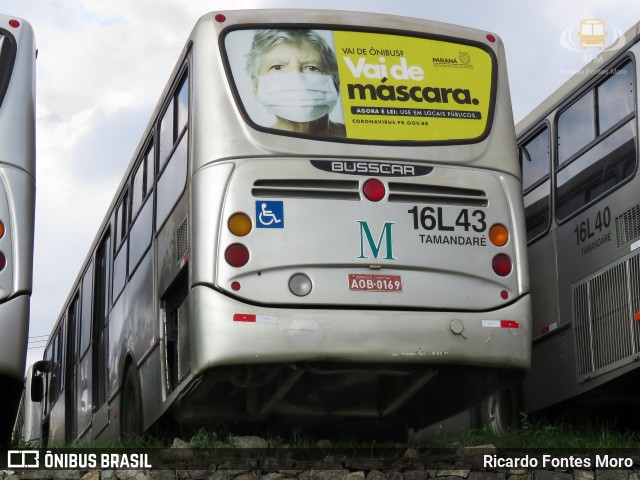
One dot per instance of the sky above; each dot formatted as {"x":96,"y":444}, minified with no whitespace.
{"x":102,"y":66}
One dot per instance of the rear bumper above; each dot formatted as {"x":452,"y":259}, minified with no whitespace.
{"x":229,"y":332}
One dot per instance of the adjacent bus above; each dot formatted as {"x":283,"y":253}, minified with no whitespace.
{"x":323,"y":219}
{"x":579,"y":155}
{"x":17,"y":208}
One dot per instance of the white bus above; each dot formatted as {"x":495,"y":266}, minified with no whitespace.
{"x":323,"y":219}
{"x":17,"y":208}
{"x":579,"y":154}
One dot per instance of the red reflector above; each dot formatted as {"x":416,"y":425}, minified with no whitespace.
{"x":3,"y":261}
{"x":491,"y":38}
{"x":235,"y":286}
{"x":251,"y":318}
{"x":14,"y":23}
{"x":220,"y":18}
{"x":501,"y":265}
{"x":509,"y":324}
{"x":374,"y":190}
{"x":236,"y":255}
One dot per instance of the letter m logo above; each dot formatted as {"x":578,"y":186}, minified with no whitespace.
{"x":366,"y":238}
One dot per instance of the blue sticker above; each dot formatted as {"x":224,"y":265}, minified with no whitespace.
{"x":269,"y":214}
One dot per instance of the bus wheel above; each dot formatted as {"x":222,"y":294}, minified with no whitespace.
{"x":500,"y":412}
{"x":131,"y":410}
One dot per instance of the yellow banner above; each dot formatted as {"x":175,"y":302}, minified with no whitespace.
{"x":397,"y":88}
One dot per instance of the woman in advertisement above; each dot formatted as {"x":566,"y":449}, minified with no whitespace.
{"x":294,"y":74}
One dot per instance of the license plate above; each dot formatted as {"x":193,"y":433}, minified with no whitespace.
{"x":375,"y":283}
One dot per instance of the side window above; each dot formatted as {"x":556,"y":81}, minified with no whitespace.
{"x":174,"y":121}
{"x":48,"y":357}
{"x":57,"y":380}
{"x":166,"y":135}
{"x":119,"y":273}
{"x":120,"y":247}
{"x":100,"y":317}
{"x":171,"y":183}
{"x":122,"y":219}
{"x":150,"y":174}
{"x":610,"y":158}
{"x":85,"y":310}
{"x":137,"y":188}
{"x":576,"y":127}
{"x":142,"y":226}
{"x":73,"y":340}
{"x":172,"y":166}
{"x":142,"y":182}
{"x":535,"y":160}
{"x":615,"y":98}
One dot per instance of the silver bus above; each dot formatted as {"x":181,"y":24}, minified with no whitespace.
{"x":323,"y":219}
{"x":579,"y":155}
{"x":17,"y":208}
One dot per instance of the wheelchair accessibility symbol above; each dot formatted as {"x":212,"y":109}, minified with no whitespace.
{"x":269,"y":214}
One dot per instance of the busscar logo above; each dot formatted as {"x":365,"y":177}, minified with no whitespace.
{"x":382,"y":169}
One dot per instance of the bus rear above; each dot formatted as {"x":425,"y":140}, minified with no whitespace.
{"x":17,"y":205}
{"x":355,"y":228}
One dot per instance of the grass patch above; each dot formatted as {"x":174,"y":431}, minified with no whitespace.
{"x":539,"y":434}
{"x":531,"y":434}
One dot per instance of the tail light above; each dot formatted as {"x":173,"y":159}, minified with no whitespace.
{"x":236,"y":255}
{"x":240,"y":224}
{"x":499,"y":235}
{"x":502,"y":265}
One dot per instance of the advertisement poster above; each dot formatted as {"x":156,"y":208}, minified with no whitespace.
{"x":362,"y":85}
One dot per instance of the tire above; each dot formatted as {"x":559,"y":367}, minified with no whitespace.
{"x":131,"y":407}
{"x":501,"y":411}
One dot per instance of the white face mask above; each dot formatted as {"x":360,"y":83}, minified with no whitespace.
{"x":296,"y":96}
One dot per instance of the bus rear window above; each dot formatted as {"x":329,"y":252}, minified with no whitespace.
{"x":7,"y":58}
{"x":362,"y":86}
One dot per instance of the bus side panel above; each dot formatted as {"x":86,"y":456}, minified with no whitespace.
{"x":140,"y":312}
{"x":151,"y":384}
{"x":57,"y":422}
{"x":544,"y":285}
{"x":550,"y":358}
